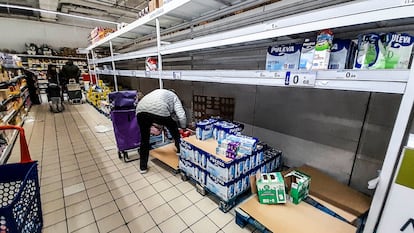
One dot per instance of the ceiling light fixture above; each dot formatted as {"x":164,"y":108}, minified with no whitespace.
{"x":57,"y":13}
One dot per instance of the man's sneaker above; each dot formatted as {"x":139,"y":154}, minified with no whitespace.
{"x":143,"y":171}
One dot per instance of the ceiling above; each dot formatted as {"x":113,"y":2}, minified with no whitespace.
{"x":109,"y":10}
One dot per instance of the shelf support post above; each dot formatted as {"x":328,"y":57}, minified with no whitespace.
{"x":157,"y":24}
{"x":113,"y":66}
{"x":94,"y":67}
{"x":89,"y":67}
{"x":392,"y":156}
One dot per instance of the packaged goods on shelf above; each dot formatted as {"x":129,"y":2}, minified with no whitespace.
{"x":398,"y":49}
{"x":283,"y":57}
{"x":371,"y":52}
{"x":306,"y":55}
{"x":151,"y":64}
{"x":271,"y":188}
{"x":298,"y":184}
{"x":322,"y":50}
{"x":342,"y":54}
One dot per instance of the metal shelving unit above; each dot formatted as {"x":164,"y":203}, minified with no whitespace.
{"x":352,"y":13}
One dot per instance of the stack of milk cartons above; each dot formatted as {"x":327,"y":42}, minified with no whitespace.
{"x":204,"y":129}
{"x":222,"y":129}
{"x":234,"y":146}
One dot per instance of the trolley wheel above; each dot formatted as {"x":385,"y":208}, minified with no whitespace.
{"x":184,"y":177}
{"x":125,"y":154}
{"x":119,"y":155}
{"x":200,"y":190}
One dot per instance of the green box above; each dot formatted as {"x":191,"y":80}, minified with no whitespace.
{"x":300,"y":184}
{"x":271,"y":188}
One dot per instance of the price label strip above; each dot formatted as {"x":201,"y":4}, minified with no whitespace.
{"x":301,"y":79}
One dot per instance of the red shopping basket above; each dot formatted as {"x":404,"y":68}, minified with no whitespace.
{"x":20,"y":209}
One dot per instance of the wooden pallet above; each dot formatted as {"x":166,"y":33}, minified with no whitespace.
{"x":166,"y":154}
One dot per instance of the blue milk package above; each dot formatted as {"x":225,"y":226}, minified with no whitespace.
{"x":283,"y":57}
{"x":204,"y":129}
{"x":342,"y":54}
{"x":306,"y":55}
{"x":398,"y":49}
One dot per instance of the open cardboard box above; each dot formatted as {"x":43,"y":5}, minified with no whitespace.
{"x":341,"y":199}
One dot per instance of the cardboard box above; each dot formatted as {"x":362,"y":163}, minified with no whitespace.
{"x":298,"y":185}
{"x":152,"y":5}
{"x":271,"y":188}
{"x":159,"y":3}
{"x":338,"y":194}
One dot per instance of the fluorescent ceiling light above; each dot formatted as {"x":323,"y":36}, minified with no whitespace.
{"x":57,"y":13}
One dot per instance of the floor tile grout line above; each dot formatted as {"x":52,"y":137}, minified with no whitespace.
{"x":72,"y":115}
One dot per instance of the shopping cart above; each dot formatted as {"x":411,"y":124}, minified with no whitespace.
{"x":74,"y":92}
{"x":124,"y":121}
{"x":20,"y":209}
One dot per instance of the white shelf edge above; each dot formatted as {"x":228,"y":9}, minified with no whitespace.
{"x":386,"y":81}
{"x":141,"y":21}
{"x":50,"y":57}
{"x":347,"y":14}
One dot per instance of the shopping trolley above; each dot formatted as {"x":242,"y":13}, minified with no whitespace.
{"x":20,"y":209}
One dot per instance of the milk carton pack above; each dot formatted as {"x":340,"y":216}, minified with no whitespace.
{"x":204,"y":129}
{"x":224,"y":190}
{"x":322,"y":50}
{"x":224,"y":171}
{"x":271,"y":188}
{"x":200,"y":158}
{"x":299,"y":185}
{"x":187,"y":167}
{"x":371,"y":52}
{"x":342,"y":54}
{"x":398,"y":49}
{"x":186,"y":151}
{"x":306,"y":55}
{"x":283,"y":57}
{"x":221,"y":129}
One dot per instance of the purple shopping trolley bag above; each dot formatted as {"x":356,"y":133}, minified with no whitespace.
{"x":126,"y":131}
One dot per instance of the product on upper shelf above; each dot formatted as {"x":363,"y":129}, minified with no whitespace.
{"x":371,"y":52}
{"x":398,"y":49}
{"x":271,"y":188}
{"x":151,"y":64}
{"x":306,"y":55}
{"x":342,"y":54}
{"x":283,"y":57}
{"x":322,"y":50}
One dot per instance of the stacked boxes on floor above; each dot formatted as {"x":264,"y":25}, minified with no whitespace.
{"x":222,"y":172}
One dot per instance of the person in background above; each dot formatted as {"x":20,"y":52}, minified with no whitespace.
{"x":160,"y":106}
{"x":69,"y":71}
{"x":52,"y":75}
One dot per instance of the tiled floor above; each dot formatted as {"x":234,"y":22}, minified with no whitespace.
{"x":86,"y":188}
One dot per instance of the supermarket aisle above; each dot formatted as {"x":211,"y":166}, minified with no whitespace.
{"x":86,"y":188}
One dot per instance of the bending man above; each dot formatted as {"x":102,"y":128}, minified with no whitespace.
{"x":160,"y":106}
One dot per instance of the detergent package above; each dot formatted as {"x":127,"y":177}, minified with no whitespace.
{"x":283,"y":57}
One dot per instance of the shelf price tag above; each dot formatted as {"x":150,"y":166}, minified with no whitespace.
{"x":407,"y":2}
{"x":347,"y":74}
{"x":177,"y":75}
{"x":304,"y":79}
